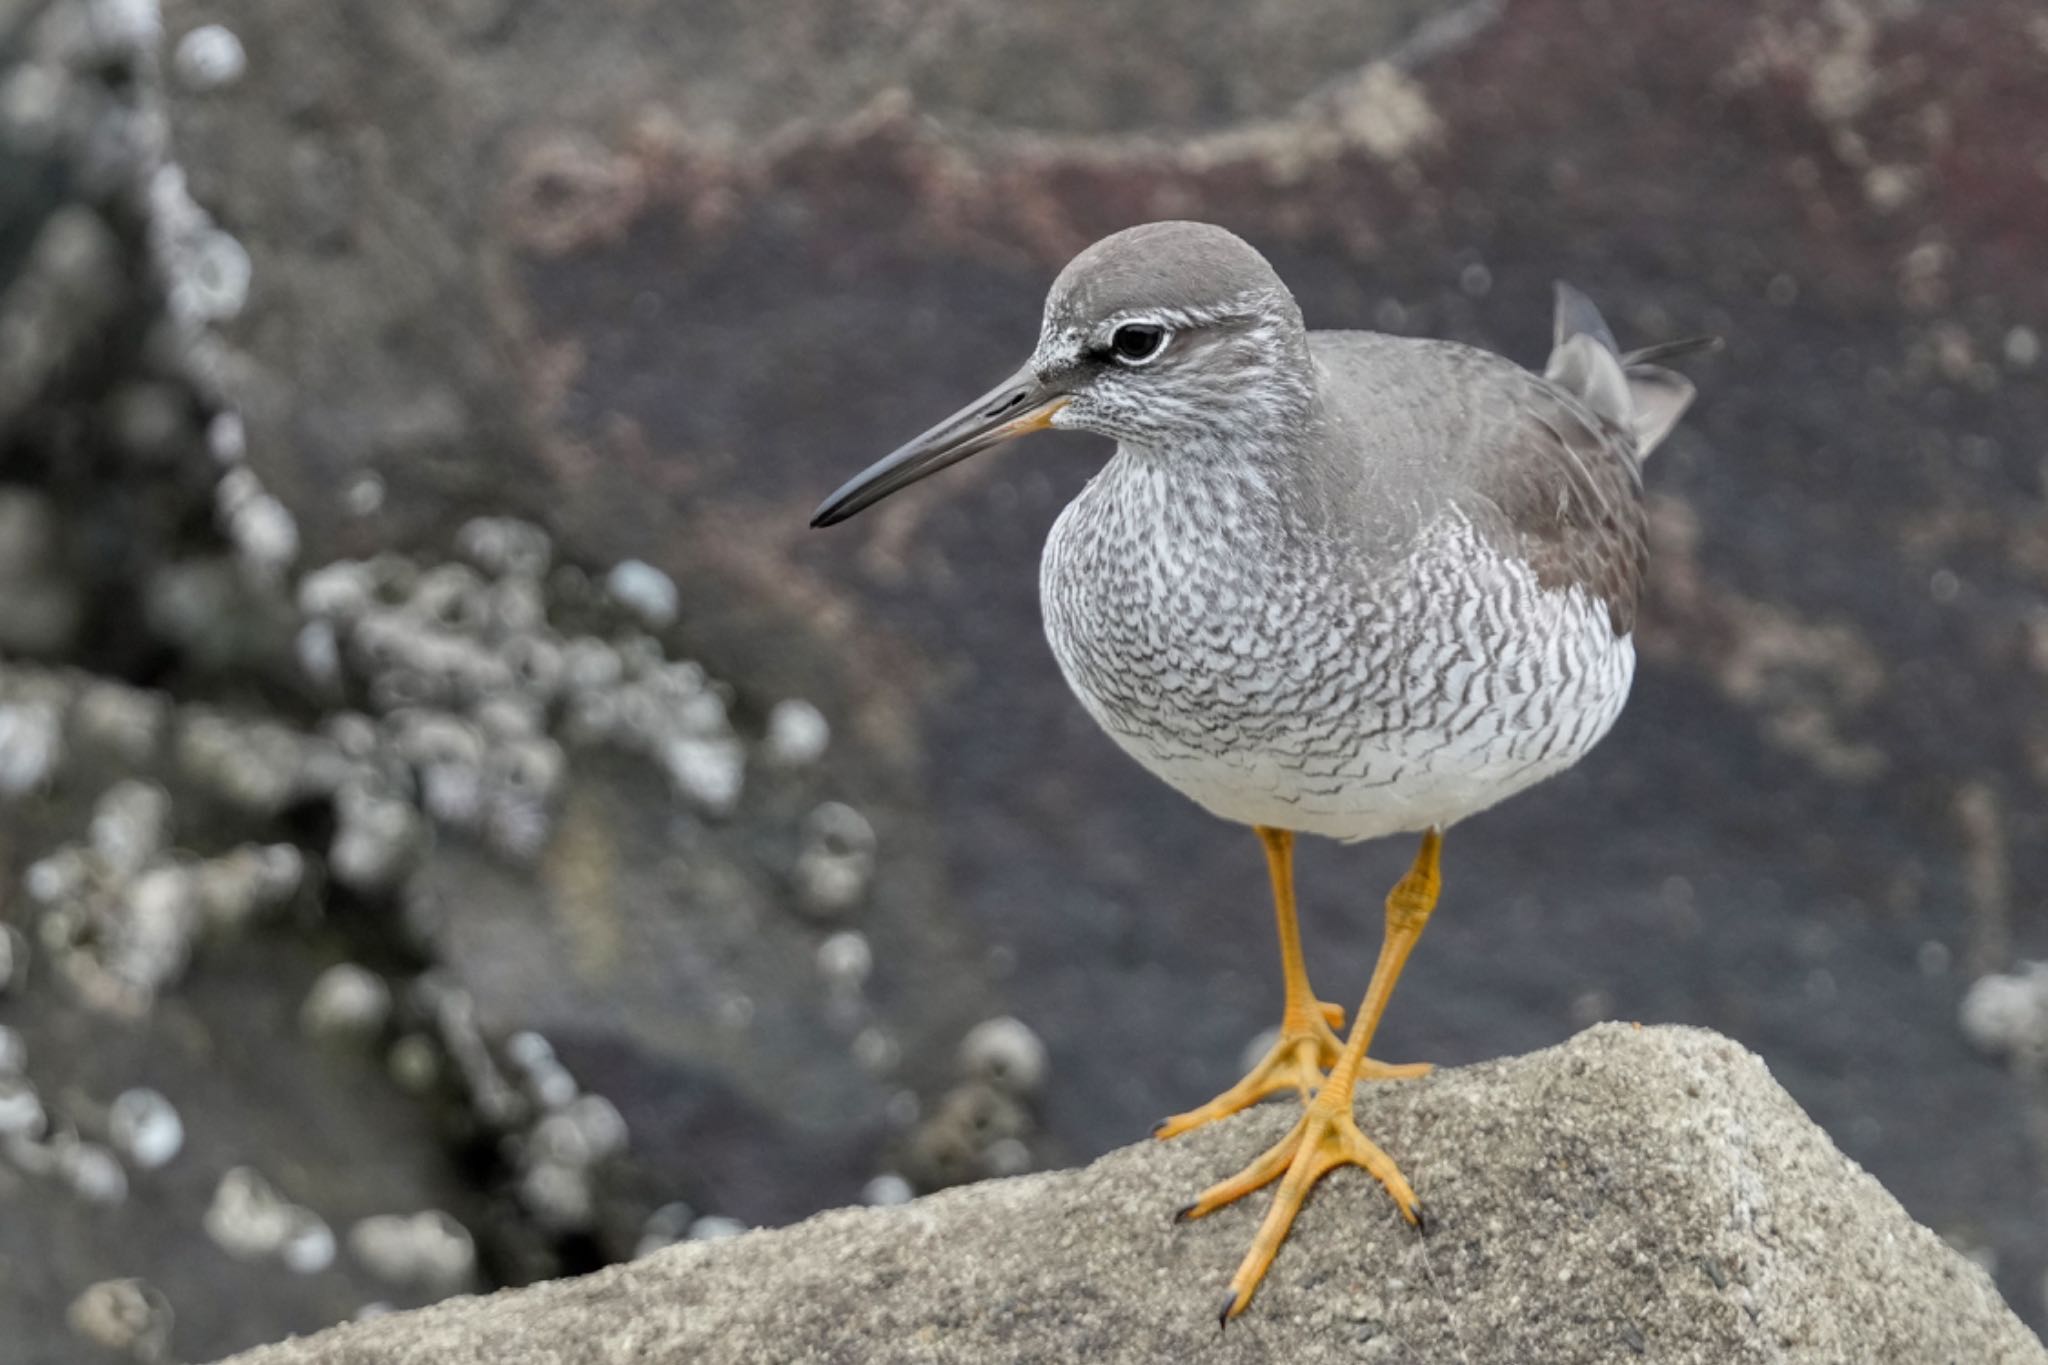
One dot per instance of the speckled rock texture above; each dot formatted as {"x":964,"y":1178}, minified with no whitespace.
{"x":1637,"y":1194}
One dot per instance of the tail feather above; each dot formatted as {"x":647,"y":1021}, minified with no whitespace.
{"x":1658,"y":398}
{"x":1671,"y":350}
{"x":1628,"y":390}
{"x":1584,"y":359}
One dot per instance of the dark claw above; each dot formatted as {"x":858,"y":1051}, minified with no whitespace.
{"x":1425,"y":1221}
{"x":1180,"y":1215}
{"x":1229,"y":1302}
{"x":1161,"y":1124}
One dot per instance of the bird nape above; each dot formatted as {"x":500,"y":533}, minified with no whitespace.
{"x":1333,"y":583}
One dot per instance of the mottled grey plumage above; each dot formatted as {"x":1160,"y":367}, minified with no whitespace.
{"x":1340,"y":582}
{"x":1334,"y":582}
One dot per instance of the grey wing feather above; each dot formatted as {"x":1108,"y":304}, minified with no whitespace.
{"x":1584,"y":360}
{"x":1566,"y":496}
{"x":1632,"y":391}
{"x":1657,"y":399}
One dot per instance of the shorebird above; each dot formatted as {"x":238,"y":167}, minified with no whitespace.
{"x":1333,"y":583}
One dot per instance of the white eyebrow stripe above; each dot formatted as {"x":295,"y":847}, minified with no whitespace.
{"x":1242,"y":308}
{"x":1172,"y":319}
{"x":1064,"y":345}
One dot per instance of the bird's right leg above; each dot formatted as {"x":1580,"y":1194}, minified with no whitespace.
{"x":1308,"y":1040}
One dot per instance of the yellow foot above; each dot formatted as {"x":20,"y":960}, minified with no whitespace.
{"x":1323,"y":1138}
{"x":1294,"y":1063}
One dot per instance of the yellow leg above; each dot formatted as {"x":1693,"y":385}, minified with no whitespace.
{"x":1326,"y":1136}
{"x":1308,"y":1039}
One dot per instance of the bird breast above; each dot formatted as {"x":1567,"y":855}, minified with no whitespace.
{"x":1280,"y":679}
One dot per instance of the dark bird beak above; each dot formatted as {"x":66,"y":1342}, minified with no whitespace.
{"x":1022,"y":403}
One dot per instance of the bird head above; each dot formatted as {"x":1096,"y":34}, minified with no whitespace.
{"x":1172,"y":338}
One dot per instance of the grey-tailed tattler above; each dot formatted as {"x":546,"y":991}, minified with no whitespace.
{"x":1330,"y":583}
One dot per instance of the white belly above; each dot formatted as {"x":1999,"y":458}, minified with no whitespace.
{"x":1459,"y":683}
{"x":1404,"y":781}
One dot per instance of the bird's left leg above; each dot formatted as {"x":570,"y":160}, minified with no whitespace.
{"x":1308,"y":1039}
{"x":1326,"y":1136}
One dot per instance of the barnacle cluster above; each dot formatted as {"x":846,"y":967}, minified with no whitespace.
{"x":45,"y":1142}
{"x":128,"y":1316}
{"x":118,"y":913}
{"x":474,"y":683}
{"x":207,"y":727}
{"x":981,"y":1126}
{"x":250,"y":1221}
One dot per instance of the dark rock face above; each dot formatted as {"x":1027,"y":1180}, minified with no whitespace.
{"x":659,"y":276}
{"x":1634,"y":1195}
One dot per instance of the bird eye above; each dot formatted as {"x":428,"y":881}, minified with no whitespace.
{"x":1137,"y":342}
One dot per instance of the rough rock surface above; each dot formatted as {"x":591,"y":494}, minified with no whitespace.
{"x":1633,"y":1195}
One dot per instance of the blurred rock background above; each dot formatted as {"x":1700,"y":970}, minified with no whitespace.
{"x":460,"y":827}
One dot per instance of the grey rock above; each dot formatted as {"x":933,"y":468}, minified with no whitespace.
{"x":130,"y":825}
{"x":558,"y":1197}
{"x":245,"y":881}
{"x":798,"y":734}
{"x":13,"y":1053}
{"x":129,"y":1315}
{"x":962,"y":1135}
{"x":117,"y":28}
{"x":148,"y":421}
{"x":31,"y":746}
{"x":58,"y":876}
{"x":845,"y":960}
{"x":713,"y":1228}
{"x":415,"y":1063}
{"x":709,"y":772}
{"x":69,"y":289}
{"x":253,"y":764}
{"x":341,"y":591}
{"x":505,"y":546}
{"x":21,"y":1109}
{"x":2007,"y":1013}
{"x":886,"y":1191}
{"x":14,"y":952}
{"x":664,"y":1228}
{"x":837,"y":862}
{"x":39,"y":608}
{"x":376,"y":839}
{"x":248,"y":1218}
{"x":318,"y":650}
{"x":308,"y":1247}
{"x":1007,"y":1156}
{"x":346,"y":1001}
{"x":599,"y":1126}
{"x":125,"y":722}
{"x":93,"y":1173}
{"x":209,"y":57}
{"x":1006,"y":1053}
{"x":145,"y":1128}
{"x":643,"y":590}
{"x":1634,"y":1195}
{"x":429,"y":1247}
